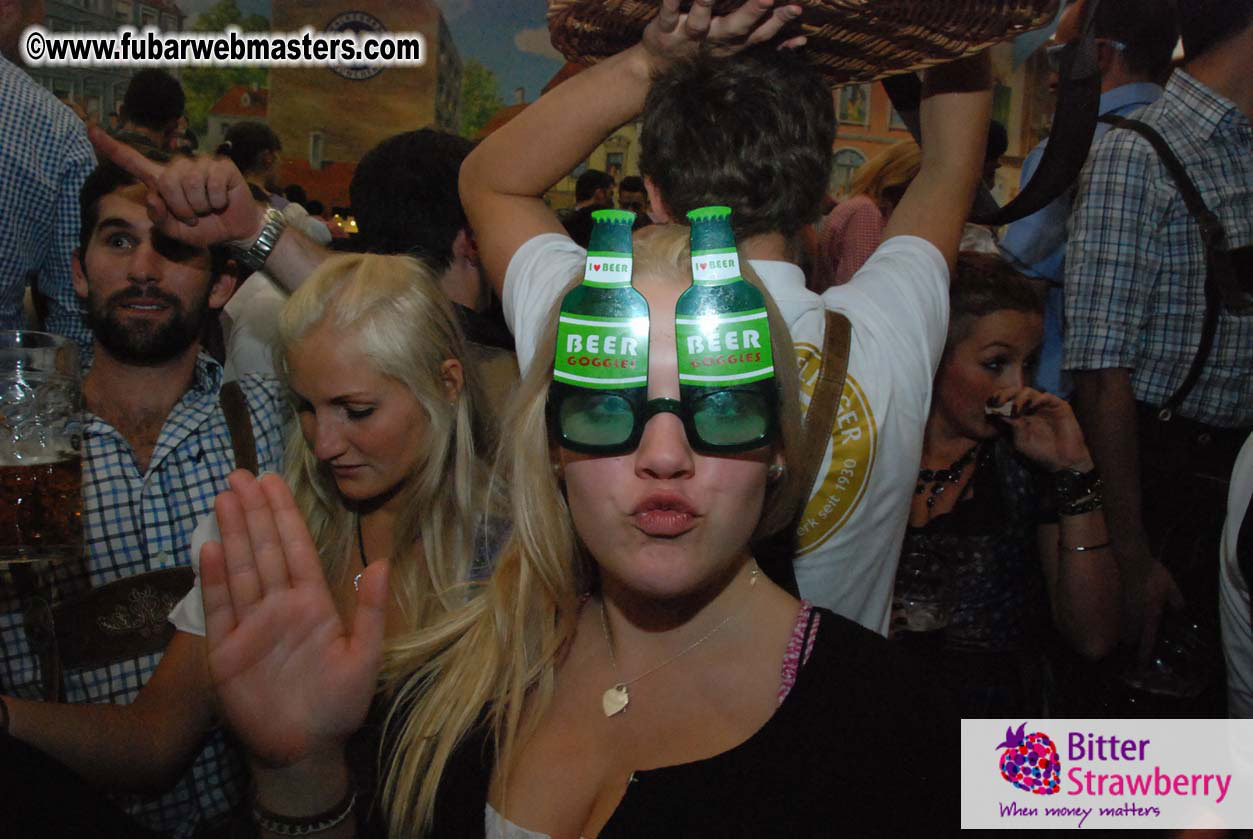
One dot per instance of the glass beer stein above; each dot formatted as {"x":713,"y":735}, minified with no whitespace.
{"x":41,"y":506}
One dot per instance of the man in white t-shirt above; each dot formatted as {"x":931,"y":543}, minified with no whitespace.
{"x":754,"y":131}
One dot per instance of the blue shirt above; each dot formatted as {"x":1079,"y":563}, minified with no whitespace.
{"x":44,"y":159}
{"x":1036,"y":244}
{"x":1135,"y":262}
{"x":142,"y":521}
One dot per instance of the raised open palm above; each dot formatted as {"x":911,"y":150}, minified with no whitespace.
{"x":292,"y":680}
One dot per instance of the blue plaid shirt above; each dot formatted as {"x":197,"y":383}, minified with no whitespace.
{"x":1135,"y":264}
{"x":44,"y":159}
{"x":1037,"y":244}
{"x":136,"y":522}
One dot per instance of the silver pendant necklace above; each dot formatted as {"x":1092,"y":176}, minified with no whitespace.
{"x":356,"y":581}
{"x":615,"y":699}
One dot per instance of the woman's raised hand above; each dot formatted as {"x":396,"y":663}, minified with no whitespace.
{"x":1044,"y":429}
{"x":672,"y":35}
{"x":292,"y":681}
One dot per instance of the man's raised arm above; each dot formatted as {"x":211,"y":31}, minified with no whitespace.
{"x":502,"y":180}
{"x":205,"y":201}
{"x":956,"y":107}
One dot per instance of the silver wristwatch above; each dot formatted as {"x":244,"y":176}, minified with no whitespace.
{"x":254,"y":254}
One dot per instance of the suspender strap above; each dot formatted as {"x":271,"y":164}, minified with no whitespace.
{"x":1074,"y":124}
{"x":826,"y":397}
{"x":1219,"y":272}
{"x":235,"y":409}
{"x":775,"y":554}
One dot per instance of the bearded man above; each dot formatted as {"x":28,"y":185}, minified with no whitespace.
{"x":157,"y":448}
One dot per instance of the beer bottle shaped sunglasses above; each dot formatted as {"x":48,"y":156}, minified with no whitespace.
{"x":598,"y":401}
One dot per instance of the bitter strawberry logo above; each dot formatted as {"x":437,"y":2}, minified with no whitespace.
{"x":1030,"y":761}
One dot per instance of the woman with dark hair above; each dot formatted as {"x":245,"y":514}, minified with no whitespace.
{"x":253,"y":147}
{"x":1007,"y":533}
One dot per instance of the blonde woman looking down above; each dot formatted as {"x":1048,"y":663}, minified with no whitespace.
{"x":390,"y":438}
{"x":387,"y":453}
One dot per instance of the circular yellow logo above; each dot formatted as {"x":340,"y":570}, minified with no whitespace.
{"x":841,"y":485}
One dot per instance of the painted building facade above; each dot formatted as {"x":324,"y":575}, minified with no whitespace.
{"x":100,"y":90}
{"x":337,"y":114}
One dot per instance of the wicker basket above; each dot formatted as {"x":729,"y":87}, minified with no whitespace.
{"x":849,"y":40}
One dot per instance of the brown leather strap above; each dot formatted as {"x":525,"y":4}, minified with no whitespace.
{"x":121,"y":619}
{"x":35,"y":589}
{"x":238,"y":421}
{"x":826,"y":397}
{"x":125,"y":618}
{"x":776,"y":553}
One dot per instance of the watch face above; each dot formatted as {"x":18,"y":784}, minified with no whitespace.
{"x":358,"y":23}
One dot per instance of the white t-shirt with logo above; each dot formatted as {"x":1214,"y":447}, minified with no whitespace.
{"x":854,"y":522}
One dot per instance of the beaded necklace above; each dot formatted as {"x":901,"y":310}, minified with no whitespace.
{"x":941,"y":478}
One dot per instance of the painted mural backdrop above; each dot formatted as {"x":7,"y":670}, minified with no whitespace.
{"x":502,"y":47}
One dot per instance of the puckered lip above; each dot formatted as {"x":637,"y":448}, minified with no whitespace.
{"x":664,"y":501}
{"x":664,"y":515}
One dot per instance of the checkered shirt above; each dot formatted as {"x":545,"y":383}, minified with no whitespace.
{"x":143,"y":522}
{"x":1135,"y":263}
{"x":44,"y":159}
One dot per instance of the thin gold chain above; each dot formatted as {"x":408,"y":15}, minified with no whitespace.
{"x":604,"y":625}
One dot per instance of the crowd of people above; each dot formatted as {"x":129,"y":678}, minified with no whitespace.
{"x":430,"y":600}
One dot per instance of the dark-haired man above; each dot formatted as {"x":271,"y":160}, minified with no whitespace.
{"x":404,"y":196}
{"x":1135,"y":39}
{"x":151,"y":109}
{"x":156,"y":452}
{"x":632,"y":196}
{"x":592,"y":191}
{"x":1135,"y":303}
{"x":754,"y":131}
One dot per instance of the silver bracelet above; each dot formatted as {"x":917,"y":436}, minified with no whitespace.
{"x":1082,"y":548}
{"x":304,"y":826}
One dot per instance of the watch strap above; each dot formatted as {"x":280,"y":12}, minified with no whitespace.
{"x":254,"y":254}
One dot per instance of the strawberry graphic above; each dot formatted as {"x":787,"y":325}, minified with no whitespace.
{"x":1030,"y":762}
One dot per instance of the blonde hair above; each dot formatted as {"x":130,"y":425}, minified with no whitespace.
{"x":393,"y":308}
{"x":885,"y":176}
{"x":502,"y":649}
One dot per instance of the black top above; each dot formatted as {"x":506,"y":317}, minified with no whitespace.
{"x":989,"y":539}
{"x":853,"y":750}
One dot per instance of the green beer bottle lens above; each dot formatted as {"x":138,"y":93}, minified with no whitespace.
{"x":731,"y":418}
{"x":596,"y":419}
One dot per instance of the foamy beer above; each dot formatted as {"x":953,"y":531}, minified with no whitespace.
{"x":41,"y":503}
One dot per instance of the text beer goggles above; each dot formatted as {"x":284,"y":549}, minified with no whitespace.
{"x":598,"y":400}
